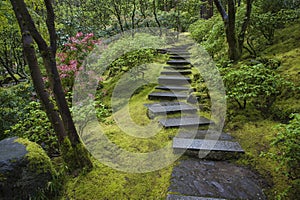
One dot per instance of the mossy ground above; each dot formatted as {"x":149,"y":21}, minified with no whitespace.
{"x":104,"y":182}
{"x":252,"y":130}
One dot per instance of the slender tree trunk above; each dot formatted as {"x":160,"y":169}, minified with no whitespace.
{"x":234,"y":49}
{"x":117,"y":13}
{"x":156,"y":18}
{"x":235,"y":43}
{"x":74,"y":153}
{"x":143,"y":8}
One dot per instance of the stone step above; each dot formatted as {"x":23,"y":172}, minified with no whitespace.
{"x":176,"y":53}
{"x":166,"y":96}
{"x":177,"y":49}
{"x":172,"y":87}
{"x":180,"y":57}
{"x":169,"y":108}
{"x":206,"y":145}
{"x":184,"y":122}
{"x":174,"y":80}
{"x":180,"y":197}
{"x":178,"y":62}
{"x":178,"y":72}
{"x":205,"y":134}
{"x":178,"y":67}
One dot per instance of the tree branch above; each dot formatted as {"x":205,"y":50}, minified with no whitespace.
{"x":245,"y":23}
{"x":30,"y":24}
{"x":51,"y":25}
{"x":221,"y":10}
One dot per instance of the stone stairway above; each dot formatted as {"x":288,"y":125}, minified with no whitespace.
{"x":173,"y":91}
{"x":174,"y":85}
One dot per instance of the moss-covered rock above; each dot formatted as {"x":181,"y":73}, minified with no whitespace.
{"x":25,"y":169}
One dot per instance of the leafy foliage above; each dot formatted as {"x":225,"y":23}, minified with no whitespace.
{"x":35,"y":126}
{"x":256,"y":84}
{"x":210,"y":34}
{"x":13,"y":103}
{"x":287,"y":154}
{"x":287,"y":142}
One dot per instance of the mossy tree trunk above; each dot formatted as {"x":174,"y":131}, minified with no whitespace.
{"x":235,"y":41}
{"x":61,"y":121}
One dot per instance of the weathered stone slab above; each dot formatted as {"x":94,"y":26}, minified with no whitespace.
{"x":178,"y":62}
{"x":180,"y":197}
{"x":211,"y":179}
{"x":184,"y":122}
{"x":178,"y":72}
{"x":180,"y":57}
{"x":165,"y":103}
{"x":206,"y":145}
{"x":205,"y":134}
{"x":174,"y":80}
{"x":172,"y":87}
{"x":166,"y":96}
{"x":178,"y":67}
{"x":159,"y":109}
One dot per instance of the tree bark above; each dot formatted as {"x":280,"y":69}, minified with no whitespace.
{"x":62,"y":123}
{"x":235,"y":43}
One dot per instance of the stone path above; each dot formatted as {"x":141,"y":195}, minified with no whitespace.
{"x":194,"y":178}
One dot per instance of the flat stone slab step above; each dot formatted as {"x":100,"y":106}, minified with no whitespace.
{"x":178,"y":62}
{"x":166,"y":96}
{"x":206,"y":145}
{"x":184,"y":122}
{"x":174,"y":80}
{"x":169,"y":108}
{"x":178,"y":72}
{"x":215,"y":179}
{"x":172,"y":87}
{"x":180,"y":197}
{"x":205,"y":134}
{"x":180,"y":57}
{"x":175,"y":53}
{"x":178,"y":67}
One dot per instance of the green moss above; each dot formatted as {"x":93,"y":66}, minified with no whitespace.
{"x":38,"y":160}
{"x":76,"y":158}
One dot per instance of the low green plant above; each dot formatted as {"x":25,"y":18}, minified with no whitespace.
{"x":13,"y":101}
{"x":256,"y":84}
{"x":210,"y":34}
{"x":35,"y":126}
{"x":287,"y":154}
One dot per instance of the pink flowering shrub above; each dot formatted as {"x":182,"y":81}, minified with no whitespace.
{"x":71,"y":58}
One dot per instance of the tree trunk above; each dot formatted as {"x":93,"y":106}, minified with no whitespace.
{"x":234,"y":49}
{"x":235,"y":44}
{"x":74,"y":154}
{"x":156,"y":18}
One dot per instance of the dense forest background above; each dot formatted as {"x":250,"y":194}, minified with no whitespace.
{"x":254,"y":43}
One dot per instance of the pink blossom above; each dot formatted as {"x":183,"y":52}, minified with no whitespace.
{"x":73,"y":48}
{"x":73,"y":65}
{"x":79,"y":34}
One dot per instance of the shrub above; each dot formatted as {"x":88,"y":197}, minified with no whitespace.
{"x":13,"y":102}
{"x":210,"y":34}
{"x":257,"y":84}
{"x":72,"y":56}
{"x":287,"y":154}
{"x":35,"y":126}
